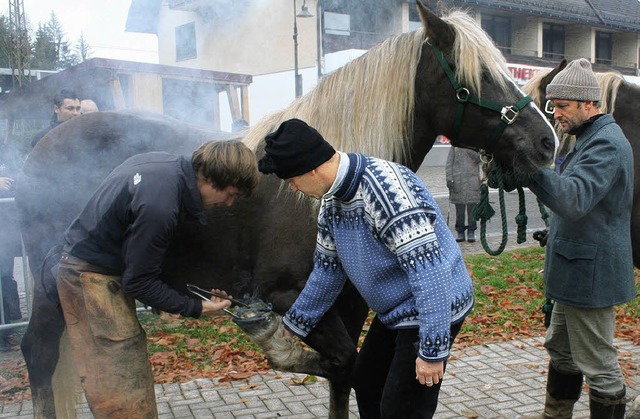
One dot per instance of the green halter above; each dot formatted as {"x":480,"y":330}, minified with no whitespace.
{"x":508,"y":114}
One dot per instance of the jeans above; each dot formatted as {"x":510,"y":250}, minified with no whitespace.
{"x":384,"y":376}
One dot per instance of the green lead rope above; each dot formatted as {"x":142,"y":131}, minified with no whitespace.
{"x":483,"y":211}
{"x":521,"y":218}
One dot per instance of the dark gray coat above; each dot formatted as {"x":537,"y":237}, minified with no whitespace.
{"x":463,"y":168}
{"x":588,"y":260}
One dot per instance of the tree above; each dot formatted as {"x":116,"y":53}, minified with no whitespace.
{"x":83,"y":49}
{"x":51,"y":51}
{"x":44,"y":50}
{"x":5,"y":43}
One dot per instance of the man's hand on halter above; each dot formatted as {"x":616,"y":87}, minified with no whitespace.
{"x":212,"y":307}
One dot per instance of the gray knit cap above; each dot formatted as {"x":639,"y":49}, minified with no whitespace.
{"x":576,"y":82}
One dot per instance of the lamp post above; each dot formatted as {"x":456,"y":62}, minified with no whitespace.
{"x":304,"y":12}
{"x":319,"y":38}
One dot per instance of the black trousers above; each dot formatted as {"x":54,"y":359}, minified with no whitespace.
{"x":384,"y":377}
{"x":470,"y":224}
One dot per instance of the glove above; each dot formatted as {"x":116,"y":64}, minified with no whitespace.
{"x":541,"y":236}
{"x":450,"y":184}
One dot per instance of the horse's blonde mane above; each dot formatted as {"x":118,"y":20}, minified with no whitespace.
{"x":383,"y":79}
{"x":609,"y":83}
{"x":339,"y":106}
{"x":475,"y":53}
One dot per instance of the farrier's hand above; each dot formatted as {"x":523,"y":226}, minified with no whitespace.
{"x":216,"y":304}
{"x":5,"y":183}
{"x":429,"y":373}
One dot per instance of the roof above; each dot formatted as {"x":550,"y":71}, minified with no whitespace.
{"x":94,"y":78}
{"x":611,"y":14}
{"x":143,"y":16}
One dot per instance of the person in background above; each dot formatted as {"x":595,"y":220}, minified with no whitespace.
{"x":463,"y":182}
{"x":380,"y":228}
{"x":10,"y":244}
{"x":113,"y":253}
{"x":88,"y":106}
{"x":66,"y":105}
{"x":588,"y":266}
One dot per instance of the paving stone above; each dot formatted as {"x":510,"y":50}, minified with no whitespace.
{"x":496,"y":381}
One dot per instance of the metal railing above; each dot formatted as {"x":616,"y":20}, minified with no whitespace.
{"x":25,"y":279}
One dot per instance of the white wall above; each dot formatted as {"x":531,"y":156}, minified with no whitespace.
{"x":272,"y":92}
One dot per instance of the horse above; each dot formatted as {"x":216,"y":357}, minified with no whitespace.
{"x":619,"y":98}
{"x":446,"y":78}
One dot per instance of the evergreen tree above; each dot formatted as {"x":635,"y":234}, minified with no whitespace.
{"x":51,"y":51}
{"x":5,"y":43}
{"x":44,"y":56}
{"x":83,"y":48}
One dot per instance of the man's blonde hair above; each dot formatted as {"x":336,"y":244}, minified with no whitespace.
{"x":227,"y":163}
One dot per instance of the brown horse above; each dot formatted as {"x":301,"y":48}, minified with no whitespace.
{"x":619,"y":98}
{"x":390,"y":103}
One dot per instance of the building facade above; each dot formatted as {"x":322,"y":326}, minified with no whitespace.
{"x":257,"y":37}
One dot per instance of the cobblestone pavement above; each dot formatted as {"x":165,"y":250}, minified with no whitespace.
{"x":502,"y":380}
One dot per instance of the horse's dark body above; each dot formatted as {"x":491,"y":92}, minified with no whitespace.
{"x":623,"y":98}
{"x":262,"y":245}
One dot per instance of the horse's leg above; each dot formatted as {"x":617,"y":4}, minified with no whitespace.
{"x":339,"y":349}
{"x":40,"y":348}
{"x":333,"y":343}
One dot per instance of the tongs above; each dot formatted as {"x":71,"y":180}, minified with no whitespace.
{"x":200,"y":292}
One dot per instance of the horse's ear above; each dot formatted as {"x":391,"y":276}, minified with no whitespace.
{"x":438,"y":32}
{"x":547,"y":79}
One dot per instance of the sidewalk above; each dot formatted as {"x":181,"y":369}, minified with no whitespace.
{"x":503,"y":380}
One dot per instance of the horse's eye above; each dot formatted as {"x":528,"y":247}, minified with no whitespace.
{"x":548,"y":107}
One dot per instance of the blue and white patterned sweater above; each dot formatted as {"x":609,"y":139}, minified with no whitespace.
{"x":380,"y":228}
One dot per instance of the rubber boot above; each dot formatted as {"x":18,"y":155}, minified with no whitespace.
{"x":471,"y":236}
{"x":606,"y":407}
{"x":563,"y":391}
{"x":460,"y":237}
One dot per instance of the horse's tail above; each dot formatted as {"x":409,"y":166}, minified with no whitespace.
{"x":66,"y":382}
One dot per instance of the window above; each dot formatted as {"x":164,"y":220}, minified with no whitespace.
{"x":499,"y":29}
{"x":552,"y":40}
{"x":186,"y":42}
{"x":603,"y":48}
{"x":337,"y":24}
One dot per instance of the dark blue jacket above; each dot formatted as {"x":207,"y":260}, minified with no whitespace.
{"x":588,"y":262}
{"x":128,"y":224}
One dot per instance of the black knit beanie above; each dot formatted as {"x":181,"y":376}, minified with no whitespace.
{"x":293,"y":150}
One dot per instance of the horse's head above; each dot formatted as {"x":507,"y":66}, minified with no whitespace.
{"x":464,"y":85}
{"x":536,"y":87}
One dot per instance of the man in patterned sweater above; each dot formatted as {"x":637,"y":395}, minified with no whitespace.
{"x":380,"y":228}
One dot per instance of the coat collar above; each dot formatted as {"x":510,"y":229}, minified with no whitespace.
{"x":191,"y":200}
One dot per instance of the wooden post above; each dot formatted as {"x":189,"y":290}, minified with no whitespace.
{"x":118,"y":94}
